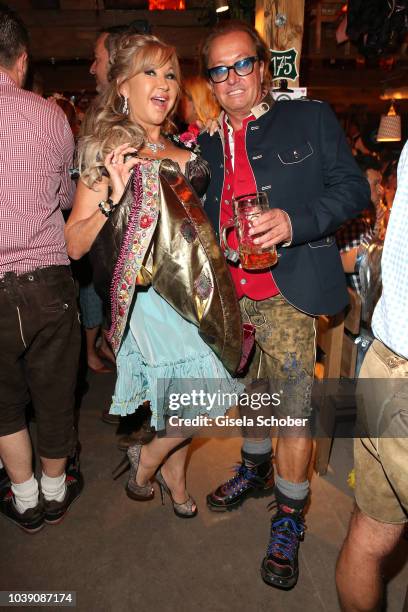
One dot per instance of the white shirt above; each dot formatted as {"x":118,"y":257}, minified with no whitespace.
{"x":390,"y":319}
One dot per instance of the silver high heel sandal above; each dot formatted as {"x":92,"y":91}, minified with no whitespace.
{"x":133,"y":490}
{"x":183,"y":510}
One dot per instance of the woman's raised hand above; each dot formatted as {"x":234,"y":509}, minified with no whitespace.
{"x":119,"y":169}
{"x":211,"y":126}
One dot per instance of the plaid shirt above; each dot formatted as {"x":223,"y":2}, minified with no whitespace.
{"x":350,"y":236}
{"x":36,"y":150}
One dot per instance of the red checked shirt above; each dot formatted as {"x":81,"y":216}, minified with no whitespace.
{"x":239,"y":180}
{"x":36,"y":151}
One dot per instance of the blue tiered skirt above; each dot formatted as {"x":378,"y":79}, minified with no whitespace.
{"x":163,"y":356}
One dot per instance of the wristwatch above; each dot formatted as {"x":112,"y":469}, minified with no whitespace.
{"x":107,"y":207}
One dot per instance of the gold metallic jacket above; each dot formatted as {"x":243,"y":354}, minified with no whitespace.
{"x":160,"y":235}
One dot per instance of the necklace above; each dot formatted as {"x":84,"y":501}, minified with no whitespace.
{"x":155,"y":146}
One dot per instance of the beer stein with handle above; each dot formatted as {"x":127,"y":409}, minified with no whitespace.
{"x":252,"y":256}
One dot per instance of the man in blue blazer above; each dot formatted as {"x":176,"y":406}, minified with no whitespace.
{"x":296,"y":152}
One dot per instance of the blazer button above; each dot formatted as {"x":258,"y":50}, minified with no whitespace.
{"x":243,"y":281}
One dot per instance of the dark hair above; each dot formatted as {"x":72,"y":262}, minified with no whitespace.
{"x":13,"y":37}
{"x":368,"y":162}
{"x":114,"y":32}
{"x":138,"y":26}
{"x":228,"y":27}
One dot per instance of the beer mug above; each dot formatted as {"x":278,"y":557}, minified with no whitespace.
{"x":252,"y":256}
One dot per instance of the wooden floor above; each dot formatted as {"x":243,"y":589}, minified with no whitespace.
{"x":120,"y":555}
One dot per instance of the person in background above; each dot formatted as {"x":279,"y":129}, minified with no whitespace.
{"x":360,"y":243}
{"x":104,"y":49}
{"x":37,"y":84}
{"x":197,"y":105}
{"x":69,"y":109}
{"x":39,"y":327}
{"x":381,"y":456}
{"x":90,"y":303}
{"x":351,"y":233}
{"x":389,"y":184}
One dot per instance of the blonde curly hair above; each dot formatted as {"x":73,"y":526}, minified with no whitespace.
{"x":106,"y":126}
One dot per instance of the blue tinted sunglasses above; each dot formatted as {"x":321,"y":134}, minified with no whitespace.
{"x":242,"y":67}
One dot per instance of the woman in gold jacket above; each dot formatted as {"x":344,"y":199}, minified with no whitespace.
{"x":183,"y":332}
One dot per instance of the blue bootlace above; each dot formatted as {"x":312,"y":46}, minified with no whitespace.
{"x":243,"y":477}
{"x":285,"y":534}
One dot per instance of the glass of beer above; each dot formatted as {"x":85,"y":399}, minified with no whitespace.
{"x":247,"y":208}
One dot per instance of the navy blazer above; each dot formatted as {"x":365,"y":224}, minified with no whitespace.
{"x":301,"y":159}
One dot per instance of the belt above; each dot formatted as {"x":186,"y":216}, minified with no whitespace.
{"x":39,"y":274}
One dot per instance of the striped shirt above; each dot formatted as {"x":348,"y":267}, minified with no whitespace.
{"x":390,"y":319}
{"x":36,"y":151}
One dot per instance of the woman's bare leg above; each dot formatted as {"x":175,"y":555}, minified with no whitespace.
{"x":174,"y":472}
{"x":152,"y":456}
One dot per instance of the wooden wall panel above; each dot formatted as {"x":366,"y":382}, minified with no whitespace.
{"x":286,"y":36}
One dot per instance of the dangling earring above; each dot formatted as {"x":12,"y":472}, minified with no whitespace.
{"x":125,"y":106}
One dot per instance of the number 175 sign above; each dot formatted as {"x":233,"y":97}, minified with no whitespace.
{"x":283,"y":64}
